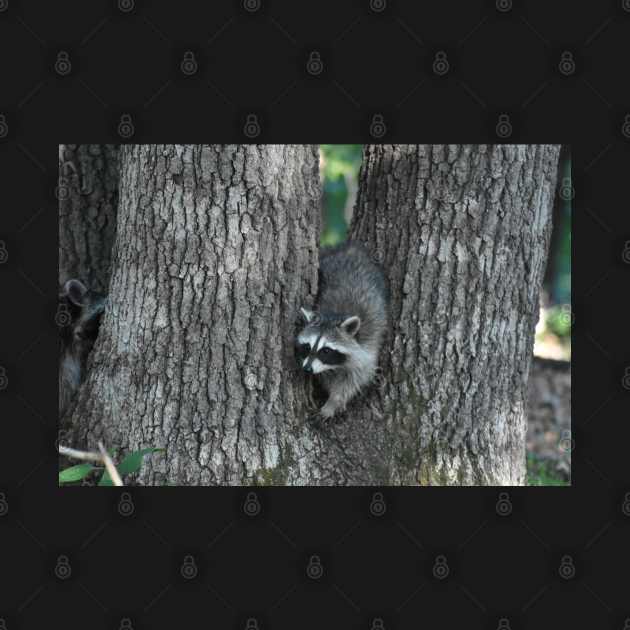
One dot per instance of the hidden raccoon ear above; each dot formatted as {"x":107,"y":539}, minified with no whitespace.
{"x":308,"y":315}
{"x":75,"y":291}
{"x":351,"y":325}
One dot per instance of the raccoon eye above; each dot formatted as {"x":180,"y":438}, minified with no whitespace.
{"x":331,"y":357}
{"x":303,"y":349}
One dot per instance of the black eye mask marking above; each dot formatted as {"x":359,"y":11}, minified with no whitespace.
{"x":330,"y":356}
{"x":90,"y":327}
{"x":302,"y":350}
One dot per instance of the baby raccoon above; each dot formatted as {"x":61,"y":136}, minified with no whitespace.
{"x":85,"y":308}
{"x":342,"y":337}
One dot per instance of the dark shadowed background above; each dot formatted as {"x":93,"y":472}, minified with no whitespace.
{"x":433,"y":72}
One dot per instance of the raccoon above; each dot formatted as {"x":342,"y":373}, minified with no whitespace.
{"x":341,"y":339}
{"x":85,"y":309}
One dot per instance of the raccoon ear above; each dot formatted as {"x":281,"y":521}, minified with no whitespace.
{"x":351,"y":325}
{"x":75,"y":291}
{"x":307,"y":315}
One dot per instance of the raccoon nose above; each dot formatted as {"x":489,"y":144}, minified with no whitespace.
{"x":308,"y":368}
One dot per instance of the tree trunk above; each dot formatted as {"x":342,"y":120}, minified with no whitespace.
{"x":462,"y":232}
{"x":88,"y":201}
{"x":216,"y":250}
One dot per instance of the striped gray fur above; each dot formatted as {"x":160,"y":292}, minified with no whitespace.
{"x":342,"y":337}
{"x":85,"y":309}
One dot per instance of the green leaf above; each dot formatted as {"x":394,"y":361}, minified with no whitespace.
{"x":130,"y":464}
{"x":75,"y":473}
{"x":133,"y":461}
{"x":105,"y":480}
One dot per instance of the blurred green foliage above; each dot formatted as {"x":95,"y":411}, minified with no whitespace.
{"x":540,"y":473}
{"x":559,"y":321}
{"x":341,"y":160}
{"x":340,"y":171}
{"x":561,"y":257}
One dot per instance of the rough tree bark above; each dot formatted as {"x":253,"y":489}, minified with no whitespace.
{"x":88,"y":200}
{"x":217,"y":249}
{"x":463,"y":233}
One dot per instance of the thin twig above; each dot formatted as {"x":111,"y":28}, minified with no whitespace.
{"x":109,"y":464}
{"x":101,"y":458}
{"x":84,"y":455}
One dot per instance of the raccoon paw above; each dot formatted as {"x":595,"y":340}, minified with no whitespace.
{"x":328,"y":411}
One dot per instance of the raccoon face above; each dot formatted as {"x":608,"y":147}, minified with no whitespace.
{"x":86,"y":309}
{"x":326,"y":343}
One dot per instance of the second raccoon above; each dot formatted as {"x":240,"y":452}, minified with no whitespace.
{"x":85,"y":308}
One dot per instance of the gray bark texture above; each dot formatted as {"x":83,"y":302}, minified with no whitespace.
{"x":216,"y":250}
{"x":88,"y":200}
{"x":462,"y":232}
